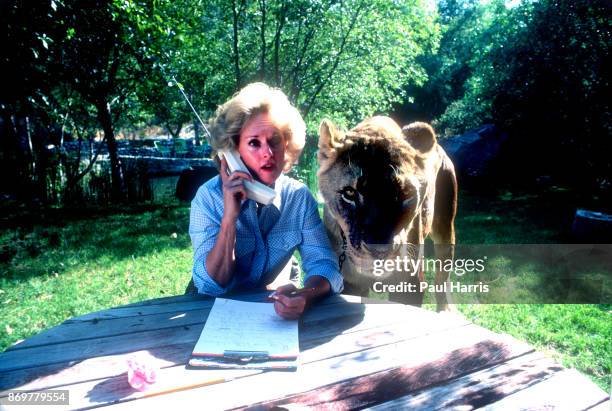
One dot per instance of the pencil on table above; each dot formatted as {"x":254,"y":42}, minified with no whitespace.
{"x":186,"y":387}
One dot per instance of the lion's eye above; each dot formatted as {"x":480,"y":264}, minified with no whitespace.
{"x":348,"y":195}
{"x":409,"y":202}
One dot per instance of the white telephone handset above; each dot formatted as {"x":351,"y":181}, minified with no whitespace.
{"x":255,"y":190}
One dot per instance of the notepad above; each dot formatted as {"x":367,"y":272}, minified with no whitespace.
{"x":240,"y":334}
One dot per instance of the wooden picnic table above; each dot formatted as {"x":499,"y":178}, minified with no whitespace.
{"x":354,"y":354}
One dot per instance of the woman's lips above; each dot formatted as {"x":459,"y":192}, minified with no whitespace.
{"x":268,"y":167}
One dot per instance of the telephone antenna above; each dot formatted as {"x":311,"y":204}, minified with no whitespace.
{"x":192,"y":107}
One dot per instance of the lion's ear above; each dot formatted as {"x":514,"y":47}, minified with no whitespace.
{"x":421,"y":136}
{"x":330,"y":138}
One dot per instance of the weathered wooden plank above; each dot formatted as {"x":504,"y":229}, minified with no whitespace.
{"x":138,"y":311}
{"x":81,"y":350}
{"x":416,"y":363}
{"x":255,"y":295}
{"x":184,"y":303}
{"x":480,"y":388}
{"x":373,"y":315}
{"x":178,"y":303}
{"x":441,"y":362}
{"x":117,"y":339}
{"x":113,"y":338}
{"x":115,"y":366}
{"x":153,"y":306}
{"x":115,"y":388}
{"x":311,"y":335}
{"x":134,"y":318}
{"x":97,"y":368}
{"x":168,"y":300}
{"x":323,"y":311}
{"x":566,"y":390}
{"x":89,"y":330}
{"x":384,"y":322}
{"x":365,"y":336}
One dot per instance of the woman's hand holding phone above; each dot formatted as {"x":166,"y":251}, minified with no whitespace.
{"x":254,"y":189}
{"x":234,"y":191}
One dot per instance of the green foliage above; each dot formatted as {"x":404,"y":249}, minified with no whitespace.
{"x":86,"y":59}
{"x":564,"y":102}
{"x":343,"y":60}
{"x":537,"y":70}
{"x":457,"y":94}
{"x":112,"y":60}
{"x":467,"y":113}
{"x":448,"y":66}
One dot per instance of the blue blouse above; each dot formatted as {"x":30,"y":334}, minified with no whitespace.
{"x":265,"y":240}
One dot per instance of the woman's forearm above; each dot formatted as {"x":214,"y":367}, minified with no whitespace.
{"x":221,"y":260}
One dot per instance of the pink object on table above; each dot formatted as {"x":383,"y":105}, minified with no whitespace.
{"x":141,"y":374}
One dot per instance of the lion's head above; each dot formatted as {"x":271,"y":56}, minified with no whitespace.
{"x":372,"y":180}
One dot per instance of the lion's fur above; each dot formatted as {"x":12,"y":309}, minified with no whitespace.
{"x":384,"y":185}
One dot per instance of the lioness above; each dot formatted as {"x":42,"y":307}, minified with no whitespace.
{"x":386,"y":188}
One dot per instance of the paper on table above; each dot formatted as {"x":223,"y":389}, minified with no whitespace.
{"x":247,"y":327}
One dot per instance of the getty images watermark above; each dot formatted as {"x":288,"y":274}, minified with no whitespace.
{"x":412,"y":267}
{"x":495,"y":273}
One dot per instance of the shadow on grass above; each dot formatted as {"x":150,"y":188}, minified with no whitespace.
{"x":505,"y":217}
{"x":536,"y":274}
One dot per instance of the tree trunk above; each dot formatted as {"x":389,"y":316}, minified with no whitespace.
{"x":196,"y":132}
{"x":117,"y":183}
{"x":24,"y":158}
{"x":39,"y":137}
{"x":16,"y":156}
{"x":174,"y":134}
{"x":277,"y":38}
{"x":197,"y":138}
{"x":236,"y":12}
{"x":262,"y":35}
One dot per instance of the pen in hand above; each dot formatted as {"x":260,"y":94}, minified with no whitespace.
{"x":275,"y":294}
{"x":287,"y":301}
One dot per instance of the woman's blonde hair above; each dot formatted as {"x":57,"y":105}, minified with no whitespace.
{"x":254,"y":99}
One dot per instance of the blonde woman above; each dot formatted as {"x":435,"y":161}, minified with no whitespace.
{"x":240,"y":244}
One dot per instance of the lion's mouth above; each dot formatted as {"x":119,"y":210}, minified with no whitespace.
{"x":378,"y":250}
{"x":365,"y":253}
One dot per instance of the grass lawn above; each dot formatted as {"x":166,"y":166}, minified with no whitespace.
{"x":58,"y":264}
{"x":66,"y":264}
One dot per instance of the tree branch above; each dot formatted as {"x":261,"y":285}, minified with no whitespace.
{"x":236,"y":13}
{"x":92,"y":160}
{"x":262,"y":34}
{"x":313,"y":97}
{"x":297,"y":68}
{"x":277,"y":36}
